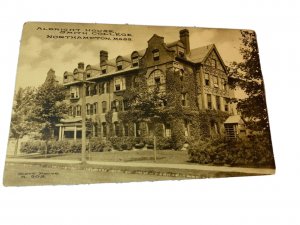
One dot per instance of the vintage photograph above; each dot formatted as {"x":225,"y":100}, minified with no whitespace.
{"x":97,"y":103}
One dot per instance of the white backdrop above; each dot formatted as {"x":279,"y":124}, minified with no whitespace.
{"x":249,"y":200}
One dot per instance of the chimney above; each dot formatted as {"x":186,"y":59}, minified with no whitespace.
{"x":81,"y":65}
{"x":185,"y":39}
{"x":103,"y":56}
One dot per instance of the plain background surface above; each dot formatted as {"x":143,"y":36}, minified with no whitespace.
{"x":248,"y":200}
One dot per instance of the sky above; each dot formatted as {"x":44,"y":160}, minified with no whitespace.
{"x":38,"y":53}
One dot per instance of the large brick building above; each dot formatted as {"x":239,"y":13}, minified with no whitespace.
{"x":203,"y":89}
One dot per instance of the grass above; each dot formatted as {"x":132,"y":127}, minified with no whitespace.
{"x":163,"y":156}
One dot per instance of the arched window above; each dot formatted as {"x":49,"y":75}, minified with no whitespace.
{"x":156,"y":78}
{"x":119,"y":62}
{"x":135,"y":59}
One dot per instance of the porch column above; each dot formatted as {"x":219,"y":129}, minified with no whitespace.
{"x":75,"y":133}
{"x":59,"y":135}
{"x":94,"y":130}
{"x":62,"y":133}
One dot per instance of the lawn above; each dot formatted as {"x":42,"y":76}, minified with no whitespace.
{"x":163,"y":156}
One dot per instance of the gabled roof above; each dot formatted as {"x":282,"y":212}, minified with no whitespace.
{"x":236,"y":119}
{"x":199,"y":55}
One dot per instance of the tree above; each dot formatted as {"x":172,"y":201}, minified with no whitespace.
{"x":49,"y":107}
{"x":248,"y":76}
{"x":22,"y":108}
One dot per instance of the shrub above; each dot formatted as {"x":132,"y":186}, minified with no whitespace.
{"x":122,"y":143}
{"x":58,"y":147}
{"x":30,"y":147}
{"x":98,"y":145}
{"x":255,"y":151}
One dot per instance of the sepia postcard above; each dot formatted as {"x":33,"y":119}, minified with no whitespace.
{"x":97,"y":103}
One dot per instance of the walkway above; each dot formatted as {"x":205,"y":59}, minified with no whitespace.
{"x":258,"y":171}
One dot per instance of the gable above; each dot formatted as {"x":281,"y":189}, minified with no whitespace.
{"x":214,"y":59}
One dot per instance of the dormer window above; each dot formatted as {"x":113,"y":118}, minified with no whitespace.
{"x":65,"y":77}
{"x":119,"y":65}
{"x":103,"y":69}
{"x":155,"y":54}
{"x":88,"y":75}
{"x":135,"y":61}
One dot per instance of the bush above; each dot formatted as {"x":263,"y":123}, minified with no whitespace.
{"x":33,"y":147}
{"x":122,"y":143}
{"x":255,"y":151}
{"x":98,"y":145}
{"x":58,"y":147}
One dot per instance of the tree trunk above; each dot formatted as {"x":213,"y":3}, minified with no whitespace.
{"x":16,"y":147}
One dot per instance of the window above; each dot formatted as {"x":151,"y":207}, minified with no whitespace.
{"x":104,"y":107}
{"x":206,"y":79}
{"x":104,"y":129}
{"x":91,"y":109}
{"x":88,"y":90}
{"x":94,"y":89}
{"x":222,"y":84}
{"x":184,"y":99}
{"x":119,"y":85}
{"x":167,"y":130}
{"x":156,"y":78}
{"x":213,"y":63}
{"x":181,"y":53}
{"x":226,"y":106}
{"x":126,"y":129}
{"x":218,"y":102}
{"x":216,"y":82}
{"x":65,"y":77}
{"x":95,"y":108}
{"x":125,"y":105}
{"x":209,"y":104}
{"x":119,"y":65}
{"x":214,"y":128}
{"x":88,"y":109}
{"x":74,"y":92}
{"x":117,"y":129}
{"x":78,"y":110}
{"x":103,"y":88}
{"x":135,"y":61}
{"x":88,"y":75}
{"x":137,"y":130}
{"x":103,"y":69}
{"x":116,"y":106}
{"x":155,"y":54}
{"x":70,"y":111}
{"x":186,"y":128}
